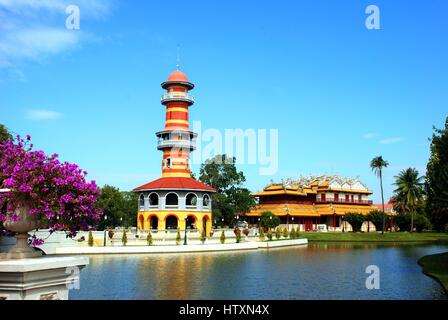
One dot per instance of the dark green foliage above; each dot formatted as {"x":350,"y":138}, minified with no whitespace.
{"x":356,"y":220}
{"x":436,"y":185}
{"x":231,"y":197}
{"x":269,"y":220}
{"x":117,"y":204}
{"x":4,"y":134}
{"x":285,"y":233}
{"x":376,"y":217}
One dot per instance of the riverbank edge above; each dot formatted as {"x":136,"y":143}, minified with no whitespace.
{"x":432,"y":266}
{"x":193,"y":248}
{"x":440,"y":238}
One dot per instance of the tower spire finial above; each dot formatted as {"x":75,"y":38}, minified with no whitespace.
{"x":178,"y":57}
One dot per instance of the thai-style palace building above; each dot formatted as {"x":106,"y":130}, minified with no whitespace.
{"x":176,"y":200}
{"x":313,"y":202}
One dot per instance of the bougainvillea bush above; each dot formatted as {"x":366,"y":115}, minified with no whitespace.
{"x":59,"y":195}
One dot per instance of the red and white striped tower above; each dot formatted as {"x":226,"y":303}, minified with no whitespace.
{"x":176,"y":140}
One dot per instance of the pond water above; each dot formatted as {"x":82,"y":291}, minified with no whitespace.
{"x":316,"y":271}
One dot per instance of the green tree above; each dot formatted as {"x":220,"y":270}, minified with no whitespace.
{"x":356,"y":220}
{"x":124,"y":238}
{"x":262,"y":236}
{"x":231,"y":197}
{"x":285,"y":233}
{"x":377,"y":164}
{"x":149,"y":239}
{"x":409,"y":191}
{"x":223,"y":237}
{"x":120,"y":207}
{"x":269,"y":220}
{"x":90,"y":241}
{"x":436,"y":184}
{"x":376,"y":217}
{"x":297,"y":232}
{"x":4,"y":134}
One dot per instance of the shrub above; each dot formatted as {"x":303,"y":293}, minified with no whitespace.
{"x":90,"y":241}
{"x":292,"y":233}
{"x":278,"y":233}
{"x":203,"y":235}
{"x":223,"y":237}
{"x":269,"y":220}
{"x":246,"y":232}
{"x":270,"y":235}
{"x":421,"y":222}
{"x":178,"y":237}
{"x":237,"y":232}
{"x":149,"y":239}
{"x":356,"y":220}
{"x":403,"y":221}
{"x":110,"y":233}
{"x":261,"y":234}
{"x":298,"y":232}
{"x":285,"y":233}
{"x":124,"y":239}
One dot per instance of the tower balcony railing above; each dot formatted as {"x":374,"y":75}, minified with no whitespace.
{"x":177,"y":96}
{"x":185,"y":144}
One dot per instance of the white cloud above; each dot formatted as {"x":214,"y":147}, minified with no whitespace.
{"x":391,"y":140}
{"x":33,"y":30}
{"x":370,"y":135}
{"x":42,"y":114}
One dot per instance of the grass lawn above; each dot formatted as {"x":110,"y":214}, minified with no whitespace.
{"x":436,"y":266}
{"x":375,"y":237}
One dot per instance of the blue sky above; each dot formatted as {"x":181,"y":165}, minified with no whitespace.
{"x":339,"y":94}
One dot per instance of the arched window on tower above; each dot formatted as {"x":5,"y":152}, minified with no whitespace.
{"x":142,"y":202}
{"x":153,"y":200}
{"x":171,"y":200}
{"x":206,"y":201}
{"x":191,"y":201}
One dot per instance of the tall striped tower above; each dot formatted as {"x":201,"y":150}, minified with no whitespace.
{"x":176,"y":140}
{"x":176,"y":200}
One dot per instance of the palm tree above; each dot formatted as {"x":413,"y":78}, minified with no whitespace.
{"x":377,"y":164}
{"x":409,"y":191}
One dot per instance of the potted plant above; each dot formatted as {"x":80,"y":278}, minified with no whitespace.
{"x":39,"y":190}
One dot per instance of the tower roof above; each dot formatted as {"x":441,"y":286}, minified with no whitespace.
{"x":178,"y":77}
{"x":175,"y":183}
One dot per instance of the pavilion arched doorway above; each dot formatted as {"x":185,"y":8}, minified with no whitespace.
{"x":171,"y":222}
{"x":153,"y":223}
{"x":191,"y":222}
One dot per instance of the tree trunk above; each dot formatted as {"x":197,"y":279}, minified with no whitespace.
{"x":382,"y":201}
